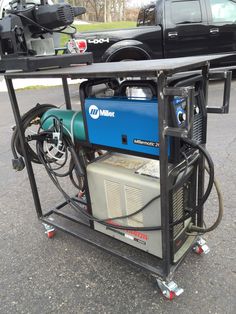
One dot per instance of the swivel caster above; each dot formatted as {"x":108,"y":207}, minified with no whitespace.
{"x":49,"y":230}
{"x":200,"y":247}
{"x":169,"y":290}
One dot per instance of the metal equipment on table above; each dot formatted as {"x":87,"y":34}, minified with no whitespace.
{"x":26,"y":35}
{"x":135,"y":154}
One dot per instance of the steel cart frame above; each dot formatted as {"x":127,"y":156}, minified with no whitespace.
{"x":161,"y":70}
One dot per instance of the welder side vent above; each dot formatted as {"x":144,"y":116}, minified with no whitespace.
{"x":177,"y":205}
{"x":133,"y":202}
{"x":198,"y":128}
{"x":113,"y":198}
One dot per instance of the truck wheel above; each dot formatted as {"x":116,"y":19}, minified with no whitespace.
{"x":128,"y":54}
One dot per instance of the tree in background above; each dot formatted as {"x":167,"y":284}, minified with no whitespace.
{"x":107,"y":10}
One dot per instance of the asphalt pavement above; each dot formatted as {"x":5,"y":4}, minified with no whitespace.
{"x":65,"y":275}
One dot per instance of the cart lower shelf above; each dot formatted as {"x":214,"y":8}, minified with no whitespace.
{"x":66,"y":219}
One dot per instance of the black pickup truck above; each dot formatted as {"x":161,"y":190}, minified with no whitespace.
{"x":169,"y":29}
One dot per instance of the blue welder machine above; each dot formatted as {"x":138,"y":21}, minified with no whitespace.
{"x":130,"y":126}
{"x":129,"y":119}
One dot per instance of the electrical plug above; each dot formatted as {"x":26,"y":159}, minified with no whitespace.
{"x":18,"y":164}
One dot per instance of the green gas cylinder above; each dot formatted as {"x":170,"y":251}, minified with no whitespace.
{"x":73,"y":123}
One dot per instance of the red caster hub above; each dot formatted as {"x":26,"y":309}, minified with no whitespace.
{"x":169,"y":290}
{"x":200,"y":247}
{"x":49,"y":230}
{"x":51,"y":233}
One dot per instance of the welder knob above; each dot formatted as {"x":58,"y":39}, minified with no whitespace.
{"x":181,"y":117}
{"x":196,"y":110}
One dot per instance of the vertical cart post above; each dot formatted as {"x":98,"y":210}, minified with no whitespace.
{"x":162,"y":124}
{"x":201,"y":167}
{"x":16,"y":112}
{"x":66,"y":92}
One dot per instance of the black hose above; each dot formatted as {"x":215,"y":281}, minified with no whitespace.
{"x":78,"y":166}
{"x":134,"y":213}
{"x":193,"y":228}
{"x":183,"y":177}
{"x":26,"y":119}
{"x":195,"y":144}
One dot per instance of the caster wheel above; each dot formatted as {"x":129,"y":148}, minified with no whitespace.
{"x":169,"y":290}
{"x":200,"y":247}
{"x":170,"y":295}
{"x":49,"y":230}
{"x":51,"y":233}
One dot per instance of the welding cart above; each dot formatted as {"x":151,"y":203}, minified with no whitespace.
{"x":143,"y":188}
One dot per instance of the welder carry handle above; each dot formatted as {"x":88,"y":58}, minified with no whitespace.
{"x":139,"y":84}
{"x":86,"y":87}
{"x":226,"y":76}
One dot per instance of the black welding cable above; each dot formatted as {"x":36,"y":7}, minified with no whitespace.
{"x":193,"y":228}
{"x":61,"y":152}
{"x":75,"y":163}
{"x":13,"y":145}
{"x":134,"y":213}
{"x":78,"y":166}
{"x":71,"y":176}
{"x":205,"y":153}
{"x":183,"y":177}
{"x":26,"y":121}
{"x":66,"y":145}
{"x":64,"y":160}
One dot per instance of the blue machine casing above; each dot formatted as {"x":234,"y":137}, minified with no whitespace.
{"x":128,"y":124}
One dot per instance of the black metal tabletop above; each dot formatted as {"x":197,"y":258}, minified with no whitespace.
{"x":120,"y":69}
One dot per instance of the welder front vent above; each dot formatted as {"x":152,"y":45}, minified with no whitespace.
{"x":113,"y":198}
{"x":133,"y":202}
